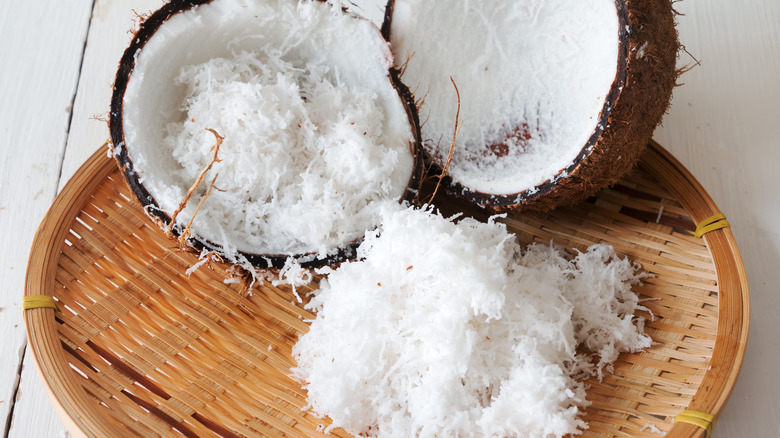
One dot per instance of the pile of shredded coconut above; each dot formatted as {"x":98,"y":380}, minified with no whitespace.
{"x":453,"y":329}
{"x":301,"y":163}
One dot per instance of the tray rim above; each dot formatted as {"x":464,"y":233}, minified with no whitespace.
{"x":67,"y":394}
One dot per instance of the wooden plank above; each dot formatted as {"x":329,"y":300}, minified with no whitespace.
{"x":109,"y":34}
{"x":40,"y":47}
{"x":723,"y":125}
{"x":34,"y":414}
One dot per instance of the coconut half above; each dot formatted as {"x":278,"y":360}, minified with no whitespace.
{"x":558,"y":98}
{"x":314,"y":128}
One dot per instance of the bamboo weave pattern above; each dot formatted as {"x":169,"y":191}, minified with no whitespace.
{"x":146,"y":350}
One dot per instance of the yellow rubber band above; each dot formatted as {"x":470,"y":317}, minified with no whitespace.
{"x":38,"y":302}
{"x":712,"y":223}
{"x":702,"y":419}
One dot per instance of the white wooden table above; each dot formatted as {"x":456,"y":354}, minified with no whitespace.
{"x":57,"y":60}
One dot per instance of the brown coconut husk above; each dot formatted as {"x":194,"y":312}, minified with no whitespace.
{"x":635,"y":105}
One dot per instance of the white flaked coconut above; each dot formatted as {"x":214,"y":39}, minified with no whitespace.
{"x":453,"y":329}
{"x":288,"y":109}
{"x":557,"y":97}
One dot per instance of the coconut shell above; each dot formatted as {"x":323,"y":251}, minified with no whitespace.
{"x":639,"y":97}
{"x":193,"y":244}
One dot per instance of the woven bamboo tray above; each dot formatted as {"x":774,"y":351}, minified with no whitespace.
{"x":139,"y":348}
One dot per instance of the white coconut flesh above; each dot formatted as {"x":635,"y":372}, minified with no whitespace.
{"x":533,"y":78}
{"x":315,"y":134}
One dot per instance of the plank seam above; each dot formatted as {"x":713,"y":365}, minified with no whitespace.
{"x":15,"y":391}
{"x":23,"y":353}
{"x":75,"y":92}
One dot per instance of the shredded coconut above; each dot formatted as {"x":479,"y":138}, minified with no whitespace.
{"x":453,"y":329}
{"x":652,"y":429}
{"x":642,"y":50}
{"x":293,"y":274}
{"x":203,"y":258}
{"x":301,"y":162}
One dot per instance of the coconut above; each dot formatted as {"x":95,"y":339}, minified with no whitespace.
{"x":263,"y":129}
{"x":555,"y":99}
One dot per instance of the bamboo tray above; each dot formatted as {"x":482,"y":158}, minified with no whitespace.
{"x":139,"y":348}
